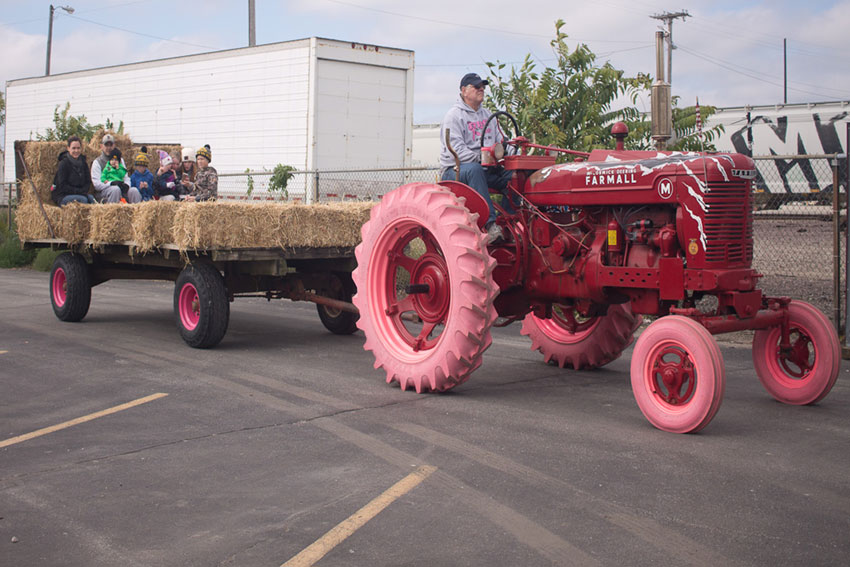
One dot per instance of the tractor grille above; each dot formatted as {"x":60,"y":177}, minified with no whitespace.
{"x":729,"y":224}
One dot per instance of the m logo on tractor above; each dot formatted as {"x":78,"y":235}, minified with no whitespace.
{"x":665,"y":188}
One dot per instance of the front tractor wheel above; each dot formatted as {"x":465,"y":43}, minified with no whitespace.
{"x":424,"y":288}
{"x":201,"y":307}
{"x":805,"y":373}
{"x":571,"y":341}
{"x":678,"y":374}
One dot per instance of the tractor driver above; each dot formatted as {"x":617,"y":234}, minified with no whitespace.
{"x":465,"y":120}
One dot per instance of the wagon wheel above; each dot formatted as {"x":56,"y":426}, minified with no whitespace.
{"x":571,"y":341}
{"x":806,"y":373}
{"x":424,"y":288}
{"x":201,"y":307}
{"x":678,"y":375}
{"x":336,"y":320}
{"x":70,"y":287}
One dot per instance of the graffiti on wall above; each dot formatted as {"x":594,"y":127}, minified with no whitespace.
{"x":773,"y":136}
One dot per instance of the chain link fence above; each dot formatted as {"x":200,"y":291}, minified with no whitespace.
{"x":322,"y":185}
{"x":799,"y":240}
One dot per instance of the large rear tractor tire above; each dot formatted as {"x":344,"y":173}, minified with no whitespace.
{"x":70,"y":287}
{"x":572,"y":342}
{"x":678,"y":375}
{"x":425,"y":289}
{"x":335,"y":320}
{"x":807,"y":372}
{"x":201,"y":307}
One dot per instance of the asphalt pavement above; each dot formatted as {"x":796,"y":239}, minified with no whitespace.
{"x":119,"y":445}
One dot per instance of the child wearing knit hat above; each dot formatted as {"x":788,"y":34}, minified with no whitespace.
{"x":165,"y":182}
{"x":142,"y":178}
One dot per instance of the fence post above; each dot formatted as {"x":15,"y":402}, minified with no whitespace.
{"x":836,"y":246}
{"x":9,"y":206}
{"x":316,"y":188}
{"x":847,"y":239}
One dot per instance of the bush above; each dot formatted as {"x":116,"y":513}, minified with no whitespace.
{"x":44,"y":259}
{"x":11,"y":255}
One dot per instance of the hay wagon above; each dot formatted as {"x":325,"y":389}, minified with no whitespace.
{"x":214,"y":252}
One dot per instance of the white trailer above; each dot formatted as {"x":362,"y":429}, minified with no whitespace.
{"x":311,"y":104}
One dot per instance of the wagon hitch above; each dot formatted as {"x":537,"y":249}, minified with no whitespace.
{"x":327,"y":302}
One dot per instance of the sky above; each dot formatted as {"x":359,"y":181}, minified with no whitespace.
{"x":728,"y":53}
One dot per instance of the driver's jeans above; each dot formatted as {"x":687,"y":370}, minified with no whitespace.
{"x":481,"y":179}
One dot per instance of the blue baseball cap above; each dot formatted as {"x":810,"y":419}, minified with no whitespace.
{"x":473,"y":79}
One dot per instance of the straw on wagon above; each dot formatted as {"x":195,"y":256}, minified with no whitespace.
{"x":153,"y":224}
{"x":272,"y":225}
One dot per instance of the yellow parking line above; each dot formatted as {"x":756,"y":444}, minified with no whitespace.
{"x":340,"y":533}
{"x":79,"y":420}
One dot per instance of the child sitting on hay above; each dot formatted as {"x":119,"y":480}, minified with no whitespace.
{"x":142,"y":178}
{"x":115,"y":174}
{"x":165,"y":185}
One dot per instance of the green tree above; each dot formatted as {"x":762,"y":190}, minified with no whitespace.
{"x":66,"y":126}
{"x":572,"y":103}
{"x":2,"y":109}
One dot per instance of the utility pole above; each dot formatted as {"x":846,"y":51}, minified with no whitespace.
{"x":68,"y":9}
{"x":252,"y":24}
{"x":668,"y":18}
{"x":785,"y":69}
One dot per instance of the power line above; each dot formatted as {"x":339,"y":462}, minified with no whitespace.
{"x":142,"y":34}
{"x":731,"y":67}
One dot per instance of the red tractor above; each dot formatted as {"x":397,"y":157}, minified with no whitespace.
{"x":595,"y":243}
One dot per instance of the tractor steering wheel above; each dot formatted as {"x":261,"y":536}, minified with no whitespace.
{"x":496,"y":115}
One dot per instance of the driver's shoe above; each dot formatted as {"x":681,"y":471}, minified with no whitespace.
{"x":495,"y":235}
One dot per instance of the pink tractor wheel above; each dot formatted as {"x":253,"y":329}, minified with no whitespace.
{"x":571,"y":341}
{"x":678,"y":375}
{"x":807,"y":371}
{"x":424,"y":288}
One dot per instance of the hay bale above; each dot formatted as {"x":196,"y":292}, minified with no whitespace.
{"x":153,"y":224}
{"x":75,"y":223}
{"x":200,"y":226}
{"x":42,"y":163}
{"x":31,"y":222}
{"x":112,"y":223}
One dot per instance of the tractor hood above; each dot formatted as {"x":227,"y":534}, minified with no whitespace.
{"x":612,"y":177}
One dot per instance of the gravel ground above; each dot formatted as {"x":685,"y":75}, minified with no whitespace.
{"x":796,"y":259}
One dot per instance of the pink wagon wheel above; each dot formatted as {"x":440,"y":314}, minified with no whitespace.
{"x":201,"y":305}
{"x":60,"y":287}
{"x":70,"y":287}
{"x":189,"y":306}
